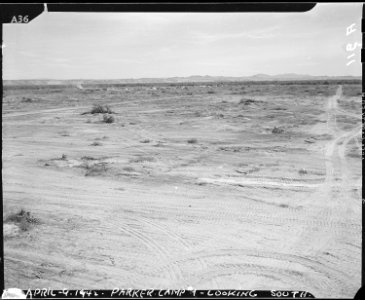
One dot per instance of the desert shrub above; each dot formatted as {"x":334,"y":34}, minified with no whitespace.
{"x":23,"y":219}
{"x":101,"y":138}
{"x":64,"y":133}
{"x":302,"y":171}
{"x":323,"y":137}
{"x":128,"y":169}
{"x":279,"y":108}
{"x":16,"y":217}
{"x":352,"y":90}
{"x":354,"y":153}
{"x":96,"y":169}
{"x":63,"y":157}
{"x":108,"y":119}
{"x":26,"y":100}
{"x":99,"y":109}
{"x":88,"y":158}
{"x":192,"y":141}
{"x":142,"y":159}
{"x":158,"y":144}
{"x":277,"y":130}
{"x":96,"y":144}
{"x":246,"y":101}
{"x":253,"y":170}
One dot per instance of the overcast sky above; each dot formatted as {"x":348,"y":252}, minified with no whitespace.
{"x":135,"y":45}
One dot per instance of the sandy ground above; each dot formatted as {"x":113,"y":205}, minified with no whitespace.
{"x":185,"y":188}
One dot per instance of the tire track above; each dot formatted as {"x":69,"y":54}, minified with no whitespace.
{"x":175,"y":237}
{"x":136,"y":103}
{"x":342,"y":152}
{"x":241,"y":211}
{"x":284,"y":266}
{"x":330,"y":192}
{"x":173,"y":272}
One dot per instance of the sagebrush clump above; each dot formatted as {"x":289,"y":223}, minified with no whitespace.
{"x":277,"y":130}
{"x":192,"y":141}
{"x":23,"y":219}
{"x":246,"y":101}
{"x":99,"y":109}
{"x":303,"y":171}
{"x":96,"y":169}
{"x":27,"y":100}
{"x":108,"y":119}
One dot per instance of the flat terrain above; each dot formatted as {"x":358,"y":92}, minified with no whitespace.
{"x":242,"y":186}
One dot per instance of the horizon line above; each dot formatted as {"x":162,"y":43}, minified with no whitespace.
{"x":223,"y":76}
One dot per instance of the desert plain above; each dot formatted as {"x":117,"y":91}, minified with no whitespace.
{"x":222,"y":185}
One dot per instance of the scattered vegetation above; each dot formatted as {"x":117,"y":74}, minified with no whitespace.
{"x":277,"y":130}
{"x":23,"y":219}
{"x":192,"y":141}
{"x":142,"y":159}
{"x":246,"y":101}
{"x":128,"y":169}
{"x":352,"y":90}
{"x":64,"y":133}
{"x":354,"y":152}
{"x":158,"y":144}
{"x":302,"y":171}
{"x":99,"y":109}
{"x":108,"y":119}
{"x":26,"y":100}
{"x":96,"y":144}
{"x":88,"y":158}
{"x":253,"y":169}
{"x":323,"y":137}
{"x":96,"y":169}
{"x":145,"y":141}
{"x":101,"y":138}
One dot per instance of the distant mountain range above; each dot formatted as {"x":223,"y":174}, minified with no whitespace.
{"x":195,"y":78}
